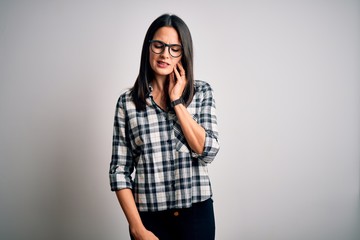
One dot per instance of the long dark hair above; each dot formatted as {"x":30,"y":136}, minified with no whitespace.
{"x":141,"y":87}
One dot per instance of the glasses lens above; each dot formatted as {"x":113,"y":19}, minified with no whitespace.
{"x":175,"y":50}
{"x":157,"y":47}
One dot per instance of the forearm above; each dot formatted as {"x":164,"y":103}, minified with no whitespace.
{"x":127,"y":202}
{"x":194,"y":133}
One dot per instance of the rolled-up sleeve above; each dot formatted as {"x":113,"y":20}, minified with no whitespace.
{"x":121,"y":166}
{"x":208,"y":121}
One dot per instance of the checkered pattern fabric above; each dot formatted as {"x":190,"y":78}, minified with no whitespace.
{"x":151,"y":156}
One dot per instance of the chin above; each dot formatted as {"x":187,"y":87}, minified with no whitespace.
{"x":163,"y":72}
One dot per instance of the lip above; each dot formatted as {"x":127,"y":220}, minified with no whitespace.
{"x":162,"y":64}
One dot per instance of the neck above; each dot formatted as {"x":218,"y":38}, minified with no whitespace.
{"x":159,"y":83}
{"x":160,"y":86}
{"x":160,"y":93}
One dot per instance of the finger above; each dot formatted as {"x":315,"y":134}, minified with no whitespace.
{"x":177,"y":74}
{"x":181,"y":69}
{"x":180,"y":76}
{"x":171,"y":76}
{"x":171,"y":80}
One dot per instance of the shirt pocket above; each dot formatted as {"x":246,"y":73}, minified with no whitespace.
{"x":180,"y":140}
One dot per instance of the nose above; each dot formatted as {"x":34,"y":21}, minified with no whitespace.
{"x":166,"y":53}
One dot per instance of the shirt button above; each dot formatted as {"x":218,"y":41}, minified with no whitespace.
{"x":176,"y":213}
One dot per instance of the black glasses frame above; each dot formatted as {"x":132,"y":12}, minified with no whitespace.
{"x":164,"y":46}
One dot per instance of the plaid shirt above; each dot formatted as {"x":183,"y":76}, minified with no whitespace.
{"x":168,"y":173}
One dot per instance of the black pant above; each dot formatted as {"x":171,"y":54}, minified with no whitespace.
{"x":195,"y":223}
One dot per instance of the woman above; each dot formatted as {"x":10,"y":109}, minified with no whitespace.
{"x":165,"y":128}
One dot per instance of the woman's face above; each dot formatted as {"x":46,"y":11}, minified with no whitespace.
{"x":164,"y":63}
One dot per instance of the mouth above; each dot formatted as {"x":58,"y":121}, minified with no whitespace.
{"x":162,"y":64}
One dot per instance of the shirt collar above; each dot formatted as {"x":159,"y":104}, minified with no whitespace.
{"x":149,"y":94}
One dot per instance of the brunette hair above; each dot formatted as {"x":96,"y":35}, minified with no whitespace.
{"x":140,"y":89}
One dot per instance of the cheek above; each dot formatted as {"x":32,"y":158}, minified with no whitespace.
{"x":151,"y":56}
{"x":152,"y":60}
{"x":177,"y":60}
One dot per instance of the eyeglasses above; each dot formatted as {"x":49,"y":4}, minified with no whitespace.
{"x":158,"y":47}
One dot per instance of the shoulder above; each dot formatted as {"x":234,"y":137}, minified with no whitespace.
{"x":202,"y":86}
{"x":125,"y":99}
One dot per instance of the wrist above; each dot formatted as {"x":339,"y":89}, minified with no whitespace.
{"x":137,"y":230}
{"x":177,"y":102}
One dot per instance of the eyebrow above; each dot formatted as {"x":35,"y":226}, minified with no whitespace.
{"x":166,"y":43}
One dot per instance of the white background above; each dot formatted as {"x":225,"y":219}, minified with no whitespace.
{"x":287,"y":85}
